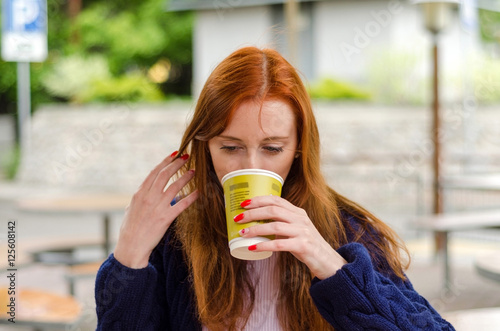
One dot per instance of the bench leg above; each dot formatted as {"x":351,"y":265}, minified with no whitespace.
{"x":107,"y":233}
{"x":71,"y":286}
{"x":443,"y":235}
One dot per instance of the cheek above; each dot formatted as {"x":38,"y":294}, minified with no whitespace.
{"x":281,"y":167}
{"x":223,"y":163}
{"x":223,"y":167}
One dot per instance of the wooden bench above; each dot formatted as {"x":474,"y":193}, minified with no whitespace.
{"x":41,"y":309}
{"x":488,"y":266}
{"x":481,"y":319}
{"x":49,"y":250}
{"x":103,"y":204}
{"x":81,"y":271}
{"x":443,"y":224}
{"x":56,"y":251}
{"x":61,"y":250}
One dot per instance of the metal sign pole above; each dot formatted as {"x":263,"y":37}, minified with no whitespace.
{"x":24,"y":105}
{"x":292,"y":11}
{"x":24,"y":40}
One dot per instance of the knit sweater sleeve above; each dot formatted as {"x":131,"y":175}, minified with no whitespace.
{"x":130,"y":299}
{"x":358,"y":297}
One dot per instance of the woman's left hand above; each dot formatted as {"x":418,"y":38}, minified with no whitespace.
{"x":295,"y":233}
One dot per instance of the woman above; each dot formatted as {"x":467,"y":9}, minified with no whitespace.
{"x":335,"y":266}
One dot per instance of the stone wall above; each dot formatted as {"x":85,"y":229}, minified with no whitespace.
{"x":378,"y":156}
{"x":107,"y":148}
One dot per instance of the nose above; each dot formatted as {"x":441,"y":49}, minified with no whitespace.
{"x":248,"y":160}
{"x":252,"y":160}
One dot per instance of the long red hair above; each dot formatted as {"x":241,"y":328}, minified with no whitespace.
{"x":223,"y":291}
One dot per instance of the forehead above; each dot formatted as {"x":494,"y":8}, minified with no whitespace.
{"x":270,"y":117}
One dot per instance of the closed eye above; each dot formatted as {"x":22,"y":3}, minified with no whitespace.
{"x":273,"y":150}
{"x":229,"y":149}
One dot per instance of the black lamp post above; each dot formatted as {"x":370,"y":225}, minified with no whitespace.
{"x":437,"y":16}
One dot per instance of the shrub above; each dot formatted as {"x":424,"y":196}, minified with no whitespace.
{"x":10,"y":163}
{"x":130,"y":87}
{"x":486,"y":82}
{"x":330,"y":89}
{"x":74,"y":75}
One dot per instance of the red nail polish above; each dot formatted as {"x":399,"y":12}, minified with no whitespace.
{"x":243,"y":231}
{"x":252,"y":247}
{"x":245,"y":203}
{"x":238,"y":217}
{"x":185,"y":157}
{"x":174,"y":154}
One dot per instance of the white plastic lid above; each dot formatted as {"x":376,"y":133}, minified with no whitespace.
{"x":239,"y":248}
{"x":252,"y":172}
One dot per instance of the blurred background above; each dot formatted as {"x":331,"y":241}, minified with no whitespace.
{"x":119,"y":80}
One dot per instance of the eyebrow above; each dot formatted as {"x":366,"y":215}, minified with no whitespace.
{"x":273,"y":138}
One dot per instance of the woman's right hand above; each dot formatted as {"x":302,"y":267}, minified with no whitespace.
{"x":149,"y":214}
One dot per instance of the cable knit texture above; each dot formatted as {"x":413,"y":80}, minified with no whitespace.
{"x":160,"y":296}
{"x":359,"y":298}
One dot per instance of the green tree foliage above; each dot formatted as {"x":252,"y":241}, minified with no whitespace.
{"x":489,"y":24}
{"x":134,"y":33}
{"x":329,"y":89}
{"x":103,"y":53}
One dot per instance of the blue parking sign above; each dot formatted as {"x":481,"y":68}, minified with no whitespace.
{"x":24,"y":30}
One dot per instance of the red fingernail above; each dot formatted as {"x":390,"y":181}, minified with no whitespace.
{"x":252,"y":247}
{"x":174,"y":154}
{"x":243,"y":231}
{"x":245,"y":203}
{"x":238,"y":217}
{"x":185,"y":157}
{"x":192,"y":171}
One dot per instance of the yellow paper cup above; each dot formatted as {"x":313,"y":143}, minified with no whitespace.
{"x":239,"y":186}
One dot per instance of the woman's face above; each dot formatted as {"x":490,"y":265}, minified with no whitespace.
{"x":257,"y":138}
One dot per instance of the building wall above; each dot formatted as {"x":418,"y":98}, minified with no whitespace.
{"x":347,"y":40}
{"x":348,"y":34}
{"x":217,"y":33}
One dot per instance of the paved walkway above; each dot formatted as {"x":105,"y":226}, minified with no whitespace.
{"x":469,"y":291}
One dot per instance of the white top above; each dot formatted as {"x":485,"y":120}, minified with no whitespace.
{"x":263,"y":316}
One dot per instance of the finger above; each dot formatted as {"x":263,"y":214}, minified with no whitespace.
{"x":271,"y":200}
{"x":174,"y":188}
{"x":264,"y":213}
{"x":166,"y":173}
{"x":276,"y":245}
{"x":271,"y":228}
{"x":184,"y":203}
{"x":146,"y":184}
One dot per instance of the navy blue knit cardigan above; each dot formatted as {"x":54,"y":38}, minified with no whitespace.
{"x":357,"y":297}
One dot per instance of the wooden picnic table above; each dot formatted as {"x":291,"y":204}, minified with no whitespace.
{"x":479,"y":182}
{"x":40,"y":309}
{"x":479,"y":319}
{"x":488,"y":266}
{"x":101,"y":203}
{"x":443,"y":224}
